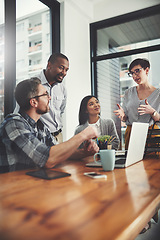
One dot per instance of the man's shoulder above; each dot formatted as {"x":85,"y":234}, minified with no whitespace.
{"x":15,"y":116}
{"x":41,"y":76}
{"x":11,"y":116}
{"x":11,"y":119}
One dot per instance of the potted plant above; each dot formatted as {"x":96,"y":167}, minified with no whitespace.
{"x":104,"y":141}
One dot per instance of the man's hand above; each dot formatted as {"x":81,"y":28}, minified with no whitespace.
{"x":63,"y":151}
{"x":91,"y":147}
{"x":89,"y":133}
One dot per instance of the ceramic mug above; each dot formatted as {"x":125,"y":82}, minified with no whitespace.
{"x":107,"y":157}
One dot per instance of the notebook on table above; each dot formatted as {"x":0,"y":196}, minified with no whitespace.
{"x":135,"y":150}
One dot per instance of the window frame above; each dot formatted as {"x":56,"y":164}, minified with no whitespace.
{"x":10,"y":50}
{"x":94,"y":27}
{"x":94,"y":59}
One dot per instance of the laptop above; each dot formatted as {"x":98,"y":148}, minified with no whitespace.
{"x":135,"y":150}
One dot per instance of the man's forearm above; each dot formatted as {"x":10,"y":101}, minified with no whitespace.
{"x":80,"y":153}
{"x":63,"y":151}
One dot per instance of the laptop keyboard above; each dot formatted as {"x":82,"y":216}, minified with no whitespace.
{"x":121,"y":153}
{"x":121,"y":156}
{"x":120,"y":160}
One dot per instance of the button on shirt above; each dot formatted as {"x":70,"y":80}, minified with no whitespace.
{"x":53,"y":119}
{"x":24,"y":141}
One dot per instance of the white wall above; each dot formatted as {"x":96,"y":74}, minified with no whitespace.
{"x":75,"y":43}
{"x":111,"y":8}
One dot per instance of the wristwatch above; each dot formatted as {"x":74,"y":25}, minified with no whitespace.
{"x":154,"y":113}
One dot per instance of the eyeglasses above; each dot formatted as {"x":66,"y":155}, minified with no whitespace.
{"x":136,"y":71}
{"x":44,"y":94}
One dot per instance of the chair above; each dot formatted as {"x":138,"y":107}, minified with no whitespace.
{"x":153,"y":139}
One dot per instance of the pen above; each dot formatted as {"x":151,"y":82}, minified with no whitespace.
{"x":97,"y":141}
{"x":112,"y":139}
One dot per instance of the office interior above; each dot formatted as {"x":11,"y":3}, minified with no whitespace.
{"x":100,"y":38}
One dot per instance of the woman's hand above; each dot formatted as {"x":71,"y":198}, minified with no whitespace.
{"x":120,"y":113}
{"x":146,"y":109}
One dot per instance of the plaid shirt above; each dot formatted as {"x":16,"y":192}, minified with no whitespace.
{"x":24,"y":141}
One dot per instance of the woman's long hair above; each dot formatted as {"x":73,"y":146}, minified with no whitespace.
{"x":83,"y":115}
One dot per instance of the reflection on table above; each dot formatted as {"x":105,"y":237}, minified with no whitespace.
{"x":79,"y":207}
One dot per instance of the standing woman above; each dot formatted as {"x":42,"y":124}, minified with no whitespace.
{"x":142,"y":102}
{"x":89,"y":114}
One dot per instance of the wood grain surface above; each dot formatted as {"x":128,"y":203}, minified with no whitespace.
{"x":79,"y":207}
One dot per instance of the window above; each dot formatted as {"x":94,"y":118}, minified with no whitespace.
{"x":20,"y":27}
{"x":114,"y":44}
{"x":20,"y":46}
{"x":30,"y":14}
{"x":27,"y":24}
{"x":47,"y":17}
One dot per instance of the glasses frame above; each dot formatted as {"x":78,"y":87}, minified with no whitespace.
{"x":136,"y":72}
{"x":44,"y":94}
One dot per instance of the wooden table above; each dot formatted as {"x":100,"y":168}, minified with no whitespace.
{"x":79,"y":207}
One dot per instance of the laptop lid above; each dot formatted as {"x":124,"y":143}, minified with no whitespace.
{"x":136,"y":143}
{"x":135,"y":149}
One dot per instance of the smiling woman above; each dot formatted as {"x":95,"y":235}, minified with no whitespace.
{"x":89,"y":114}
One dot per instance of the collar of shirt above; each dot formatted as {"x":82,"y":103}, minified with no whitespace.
{"x":33,"y":124}
{"x":44,"y":79}
{"x":95,"y":124}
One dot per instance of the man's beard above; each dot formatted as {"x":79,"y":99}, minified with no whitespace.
{"x":39,"y":111}
{"x":59,"y":81}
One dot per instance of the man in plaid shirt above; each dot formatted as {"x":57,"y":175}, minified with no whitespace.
{"x":25,"y":140}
